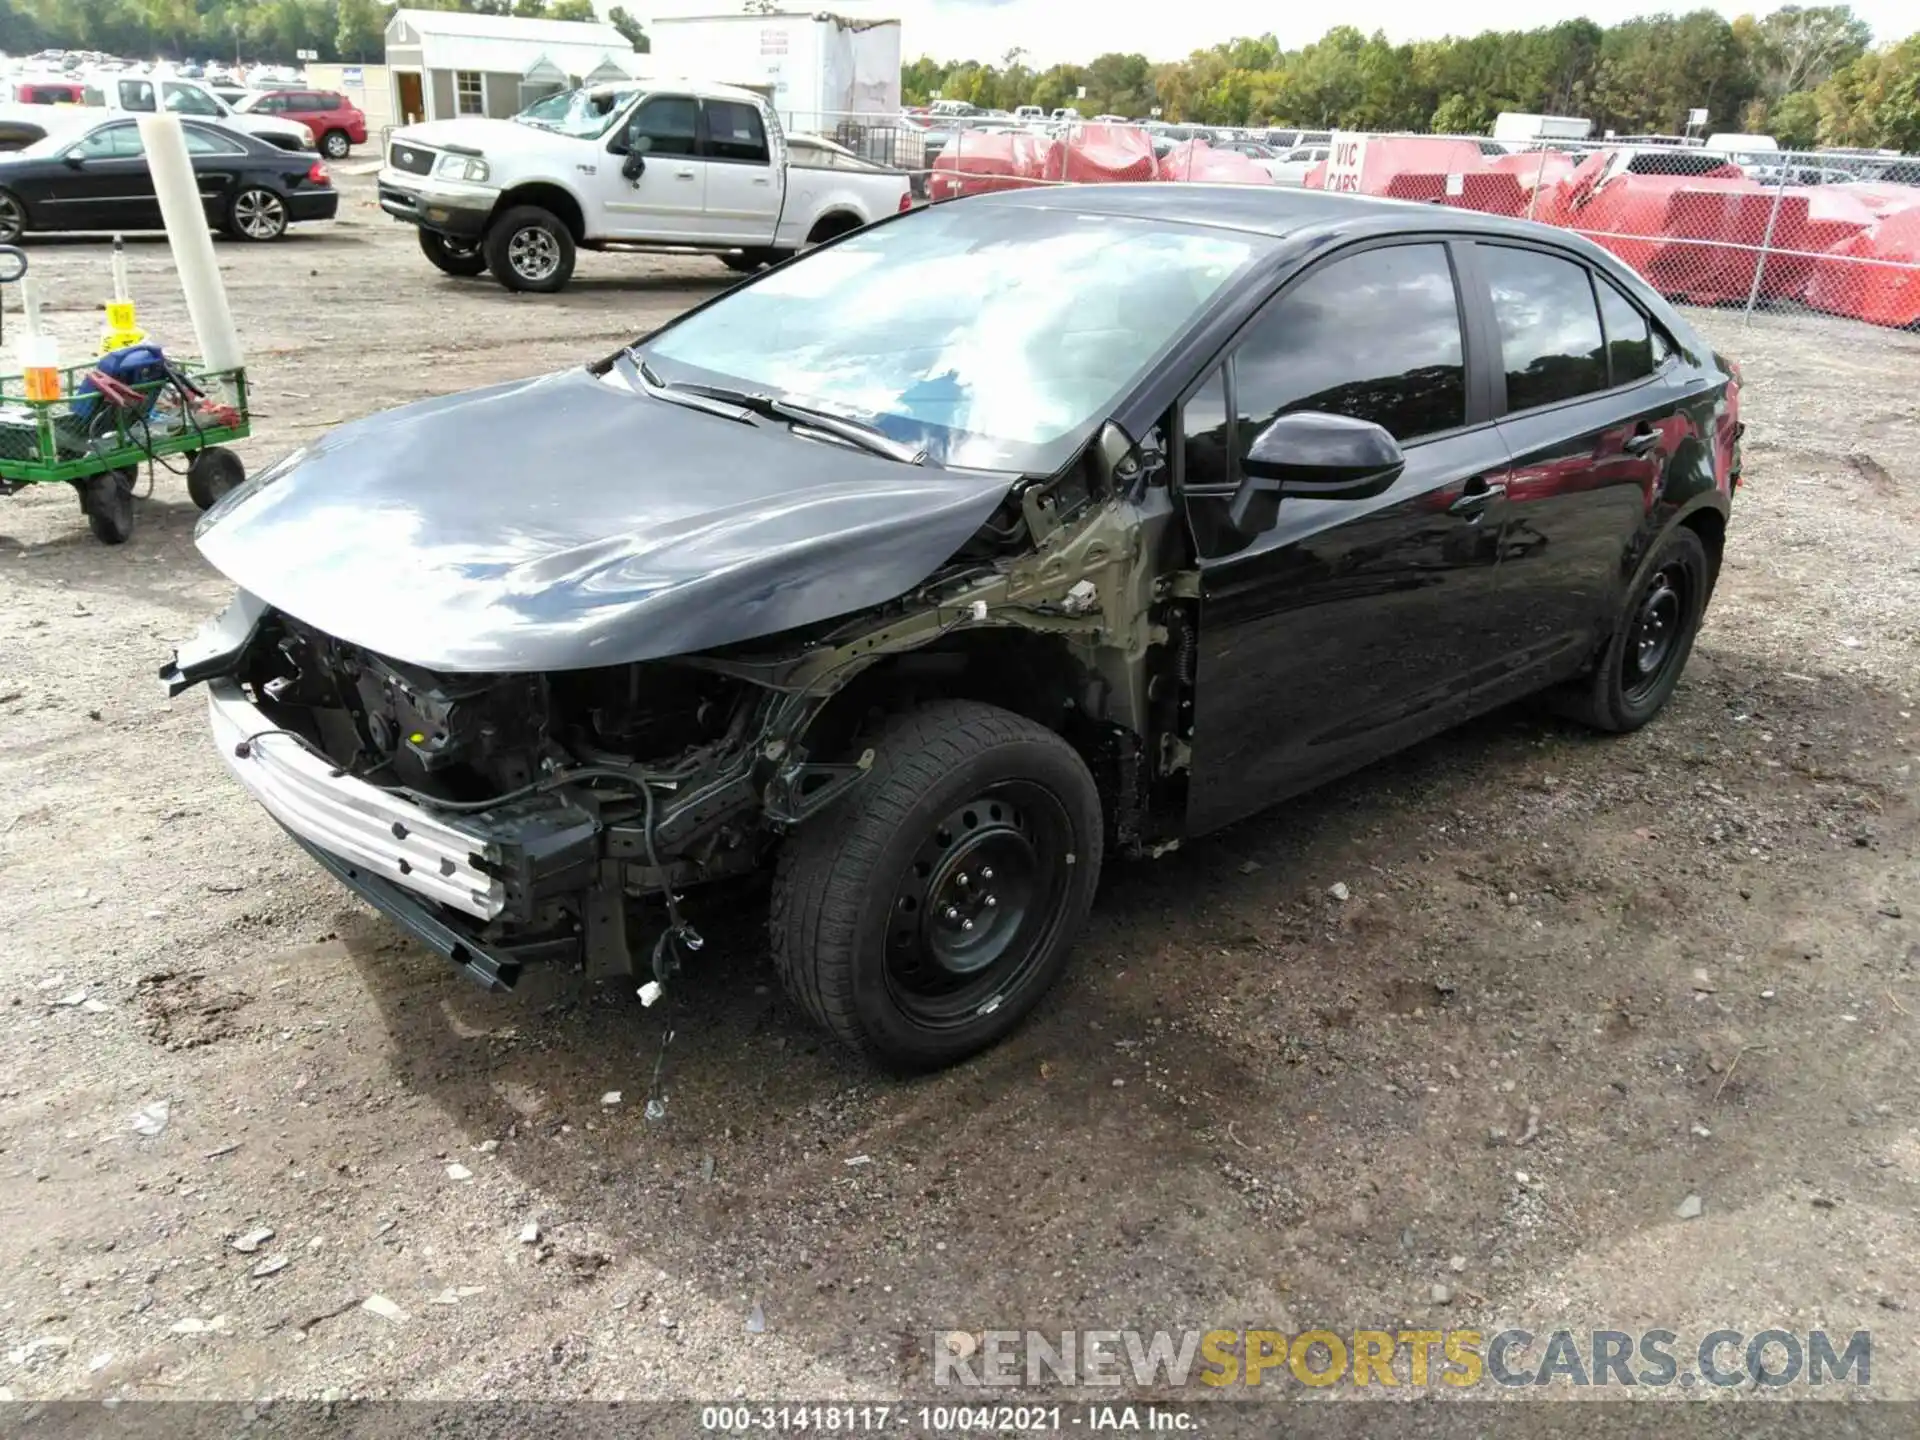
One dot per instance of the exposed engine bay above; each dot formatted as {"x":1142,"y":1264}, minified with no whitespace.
{"x":596,"y":798}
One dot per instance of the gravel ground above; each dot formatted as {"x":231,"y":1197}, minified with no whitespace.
{"x":1632,"y":971}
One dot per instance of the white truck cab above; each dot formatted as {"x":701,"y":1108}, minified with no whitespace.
{"x":662,"y":165}
{"x":148,"y":93}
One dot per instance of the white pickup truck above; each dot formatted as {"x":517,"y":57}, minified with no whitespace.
{"x":666,"y":165}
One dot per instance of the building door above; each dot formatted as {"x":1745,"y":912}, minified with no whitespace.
{"x":412,"y":105}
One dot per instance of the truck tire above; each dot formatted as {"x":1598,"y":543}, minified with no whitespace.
{"x":924,"y":917}
{"x":451,"y":257}
{"x":530,"y":249}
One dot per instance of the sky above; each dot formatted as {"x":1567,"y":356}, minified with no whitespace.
{"x":1054,"y":31}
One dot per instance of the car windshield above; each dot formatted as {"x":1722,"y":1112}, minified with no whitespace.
{"x":991,"y":336}
{"x":584,"y":114}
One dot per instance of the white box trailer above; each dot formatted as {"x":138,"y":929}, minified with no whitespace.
{"x":1512,"y":128}
{"x":813,"y":67}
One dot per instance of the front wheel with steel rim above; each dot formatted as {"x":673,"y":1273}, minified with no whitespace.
{"x":925,"y":915}
{"x":13,"y":218}
{"x":1651,"y":640}
{"x":257,"y":214}
{"x":529,"y":249}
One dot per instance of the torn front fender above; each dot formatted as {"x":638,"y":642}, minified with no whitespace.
{"x":567,"y":522}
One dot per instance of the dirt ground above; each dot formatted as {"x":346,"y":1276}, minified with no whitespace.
{"x":1632,"y":971}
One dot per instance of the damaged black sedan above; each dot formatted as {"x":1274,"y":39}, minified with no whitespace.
{"x":933,"y":567}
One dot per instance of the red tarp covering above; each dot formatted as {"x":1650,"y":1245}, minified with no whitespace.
{"x":1544,"y":168}
{"x":1675,"y":214}
{"x":1198,"y":161}
{"x":980,"y":162}
{"x":1882,"y":294}
{"x":1097,"y":153}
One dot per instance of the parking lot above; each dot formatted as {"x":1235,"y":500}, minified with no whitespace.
{"x":1574,"y":982}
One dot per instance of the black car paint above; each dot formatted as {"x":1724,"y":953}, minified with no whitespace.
{"x":1312,"y":661}
{"x":58,"y":194}
{"x":568,"y":522}
{"x":571,"y":521}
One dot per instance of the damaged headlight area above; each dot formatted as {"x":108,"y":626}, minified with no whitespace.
{"x":509,"y":818}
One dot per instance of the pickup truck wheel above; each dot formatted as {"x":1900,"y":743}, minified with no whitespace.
{"x":530,"y":249}
{"x":925,"y":917}
{"x":453,"y":257}
{"x":335,"y":145}
{"x":1652,"y":638}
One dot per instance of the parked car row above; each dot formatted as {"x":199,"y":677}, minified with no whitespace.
{"x":95,"y":177}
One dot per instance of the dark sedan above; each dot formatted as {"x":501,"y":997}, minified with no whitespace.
{"x":931,"y":567}
{"x":96,"y":178}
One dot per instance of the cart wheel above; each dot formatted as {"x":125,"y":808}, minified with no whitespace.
{"x":212,"y":473}
{"x":107,"y":499}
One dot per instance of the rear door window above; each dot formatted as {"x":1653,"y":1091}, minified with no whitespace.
{"x":1550,"y":342}
{"x":1629,"y":336}
{"x":734,"y":132}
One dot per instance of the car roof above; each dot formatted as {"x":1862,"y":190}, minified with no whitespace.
{"x":1261,"y":209}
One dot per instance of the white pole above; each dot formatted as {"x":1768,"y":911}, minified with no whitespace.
{"x":119,"y":270}
{"x":190,"y":239}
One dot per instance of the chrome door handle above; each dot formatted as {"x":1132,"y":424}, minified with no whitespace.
{"x":1475,"y":497}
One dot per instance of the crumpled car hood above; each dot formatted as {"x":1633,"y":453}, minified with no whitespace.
{"x":568,"y":522}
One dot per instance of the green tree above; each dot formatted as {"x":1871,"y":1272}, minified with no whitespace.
{"x":629,"y":27}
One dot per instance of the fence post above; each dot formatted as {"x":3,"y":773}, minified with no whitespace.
{"x":1766,"y":241}
{"x":1539,"y":173}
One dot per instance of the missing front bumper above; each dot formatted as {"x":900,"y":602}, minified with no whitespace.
{"x":391,"y":839}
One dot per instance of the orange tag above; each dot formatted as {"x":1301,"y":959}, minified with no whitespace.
{"x":43,"y":382}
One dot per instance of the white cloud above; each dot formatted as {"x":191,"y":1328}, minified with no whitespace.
{"x":1053,"y":31}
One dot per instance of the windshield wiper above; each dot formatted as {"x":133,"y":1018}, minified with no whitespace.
{"x":649,"y":383}
{"x":854,"y":432}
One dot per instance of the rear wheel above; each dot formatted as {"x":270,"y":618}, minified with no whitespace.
{"x":530,"y":249}
{"x":925,"y":917}
{"x":13,"y":218}
{"x":107,"y":500}
{"x":1652,"y":639}
{"x":335,"y":145}
{"x":212,"y":474}
{"x":257,"y":214}
{"x":453,"y":257}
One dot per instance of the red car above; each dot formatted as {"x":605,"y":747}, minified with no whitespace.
{"x":336,"y":122}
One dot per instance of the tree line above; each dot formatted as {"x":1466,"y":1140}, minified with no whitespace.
{"x":273,"y":31}
{"x":1806,"y":75}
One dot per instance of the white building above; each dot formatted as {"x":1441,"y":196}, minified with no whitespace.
{"x":443,"y":63}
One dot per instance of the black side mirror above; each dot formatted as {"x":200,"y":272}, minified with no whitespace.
{"x":1312,"y":456}
{"x":635,"y":165}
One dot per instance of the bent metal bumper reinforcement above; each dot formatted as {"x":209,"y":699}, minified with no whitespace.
{"x":391,"y":839}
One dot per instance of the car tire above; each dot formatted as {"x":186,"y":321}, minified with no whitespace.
{"x":335,"y":145}
{"x":212,"y":473}
{"x":256,"y":213}
{"x":107,"y":501}
{"x":743,"y":264}
{"x":530,"y":249}
{"x":13,"y":218}
{"x":452,"y":257}
{"x":1651,"y":641}
{"x":891,"y":928}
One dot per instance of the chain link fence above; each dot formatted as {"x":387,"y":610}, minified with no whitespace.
{"x":1832,"y":232}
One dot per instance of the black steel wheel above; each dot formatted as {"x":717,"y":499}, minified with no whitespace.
{"x":460,"y":258}
{"x":924,"y":916}
{"x":107,"y":500}
{"x":1651,"y":640}
{"x":212,"y":473}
